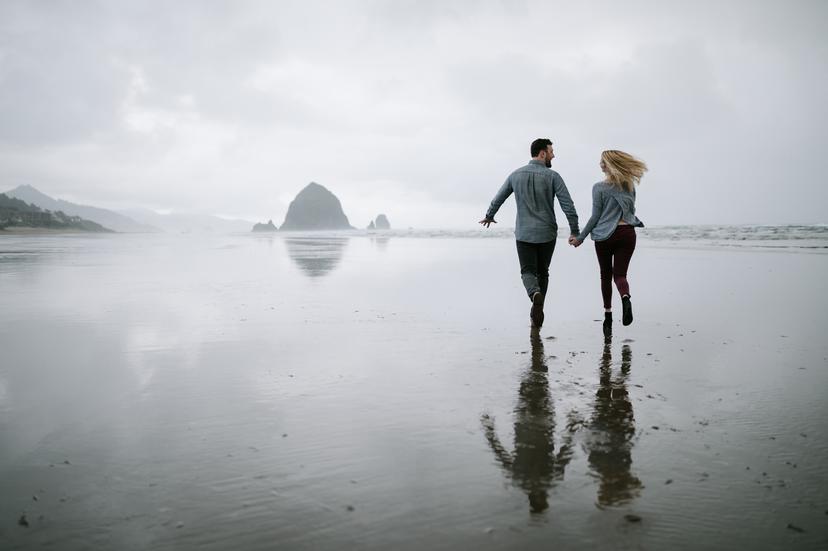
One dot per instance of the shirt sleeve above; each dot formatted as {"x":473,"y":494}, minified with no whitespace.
{"x":597,"y":209}
{"x":566,"y":203}
{"x":502,"y":194}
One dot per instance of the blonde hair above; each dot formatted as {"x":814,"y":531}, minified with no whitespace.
{"x":623,"y":170}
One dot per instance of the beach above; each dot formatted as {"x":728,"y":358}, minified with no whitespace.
{"x":385,"y":391}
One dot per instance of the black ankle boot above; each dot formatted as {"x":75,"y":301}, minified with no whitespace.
{"x":536,"y":313}
{"x":627,"y":316}
{"x":607,"y":324}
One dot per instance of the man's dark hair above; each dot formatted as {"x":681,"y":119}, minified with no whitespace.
{"x":539,"y":145}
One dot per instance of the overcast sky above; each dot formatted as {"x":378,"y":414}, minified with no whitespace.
{"x":417,"y":109}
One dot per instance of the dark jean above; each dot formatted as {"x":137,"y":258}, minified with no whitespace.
{"x":614,"y":254}
{"x":534,"y":265}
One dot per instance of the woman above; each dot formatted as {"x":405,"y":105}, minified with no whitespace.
{"x":612,"y":226}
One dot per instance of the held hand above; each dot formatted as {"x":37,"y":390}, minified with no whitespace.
{"x":574,"y":241}
{"x":487,"y":221}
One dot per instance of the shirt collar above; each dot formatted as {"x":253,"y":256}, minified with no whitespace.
{"x":536,"y":162}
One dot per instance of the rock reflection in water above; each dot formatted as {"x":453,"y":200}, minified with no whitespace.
{"x":533,"y":465}
{"x":316,"y":256}
{"x":611,"y":432}
{"x":380,"y":242}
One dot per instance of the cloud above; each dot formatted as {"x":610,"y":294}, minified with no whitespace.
{"x":233,"y":107}
{"x":57,"y":85}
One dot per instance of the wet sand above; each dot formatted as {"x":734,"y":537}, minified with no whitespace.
{"x":296,"y":392}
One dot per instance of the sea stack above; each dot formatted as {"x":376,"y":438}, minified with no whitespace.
{"x":265,"y":227}
{"x":315,"y":208}
{"x":382,"y":223}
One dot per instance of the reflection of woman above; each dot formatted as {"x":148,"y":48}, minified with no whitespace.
{"x":612,"y":428}
{"x":612,"y":226}
{"x":533,"y":466}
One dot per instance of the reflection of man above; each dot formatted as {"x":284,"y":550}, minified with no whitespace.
{"x":535,"y":188}
{"x":533,"y":466}
{"x":612,"y":429}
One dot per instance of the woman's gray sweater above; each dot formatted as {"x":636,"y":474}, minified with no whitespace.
{"x":610,"y":204}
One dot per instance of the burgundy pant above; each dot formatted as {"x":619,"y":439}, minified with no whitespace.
{"x":614,"y":256}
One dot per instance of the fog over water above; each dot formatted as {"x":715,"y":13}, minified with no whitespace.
{"x":382,"y":391}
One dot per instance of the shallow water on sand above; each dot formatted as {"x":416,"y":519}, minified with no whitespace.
{"x":307,"y":392}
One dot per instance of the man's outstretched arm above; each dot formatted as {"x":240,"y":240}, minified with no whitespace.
{"x":502,"y":194}
{"x":503,"y":457}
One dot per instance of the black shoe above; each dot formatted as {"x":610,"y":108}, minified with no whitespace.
{"x":607,"y":324}
{"x":627,"y":317}
{"x":536,"y":313}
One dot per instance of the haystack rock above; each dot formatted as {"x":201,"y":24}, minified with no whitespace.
{"x":265,"y":227}
{"x":315,"y":208}
{"x":382,"y":223}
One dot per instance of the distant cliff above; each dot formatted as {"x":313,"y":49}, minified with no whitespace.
{"x":135,"y":220}
{"x":107,"y":218}
{"x":264,"y":227}
{"x":181,"y":222}
{"x":15,"y":213}
{"x":315,"y":208}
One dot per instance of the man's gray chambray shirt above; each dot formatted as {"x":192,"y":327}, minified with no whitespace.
{"x":535,"y":188}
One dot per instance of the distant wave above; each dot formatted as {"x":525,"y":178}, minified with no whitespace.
{"x":740,"y":233}
{"x":813,"y":236}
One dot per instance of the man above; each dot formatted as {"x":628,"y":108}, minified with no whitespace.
{"x":535,"y":187}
